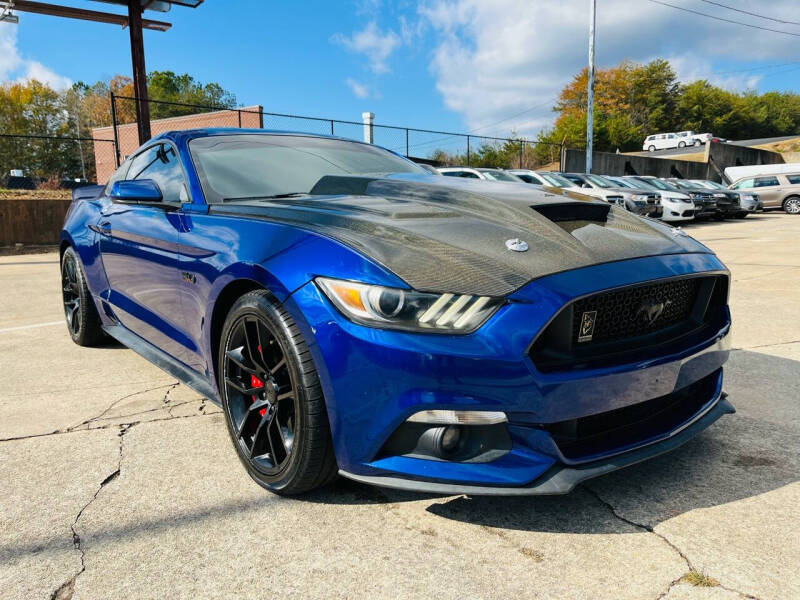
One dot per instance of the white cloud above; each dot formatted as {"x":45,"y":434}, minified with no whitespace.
{"x":15,"y":67}
{"x":359,"y":90}
{"x":492,"y":60}
{"x":376,"y":45}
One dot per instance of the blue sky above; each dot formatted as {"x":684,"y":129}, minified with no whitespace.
{"x":441,"y":64}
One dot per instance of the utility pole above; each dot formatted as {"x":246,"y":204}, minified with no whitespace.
{"x":590,"y":90}
{"x":139,"y":71}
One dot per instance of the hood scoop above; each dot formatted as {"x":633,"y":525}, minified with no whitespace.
{"x":572,"y":211}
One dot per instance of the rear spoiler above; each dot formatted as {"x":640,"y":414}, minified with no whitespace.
{"x":87,"y":192}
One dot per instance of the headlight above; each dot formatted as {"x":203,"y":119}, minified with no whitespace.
{"x":395,"y":308}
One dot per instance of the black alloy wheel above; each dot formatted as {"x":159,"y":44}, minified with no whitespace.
{"x":262,"y":398}
{"x":70,"y":285}
{"x":83,"y":323}
{"x":272,"y":398}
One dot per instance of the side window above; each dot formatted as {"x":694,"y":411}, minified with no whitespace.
{"x":793,"y":179}
{"x":468,"y":175}
{"x":766,"y":181}
{"x":160,"y":163}
{"x":743,"y":184}
{"x":452,"y":173}
{"x":651,"y":138}
{"x":671,"y":136}
{"x":118,"y":175}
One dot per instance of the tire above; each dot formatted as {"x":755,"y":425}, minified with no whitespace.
{"x":741,"y":215}
{"x":698,"y":143}
{"x":281,"y":434}
{"x":791,"y":205}
{"x":651,"y":149}
{"x":681,"y":144}
{"x":80,"y":312}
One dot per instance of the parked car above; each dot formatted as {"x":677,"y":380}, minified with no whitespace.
{"x":690,"y":138}
{"x":639,"y":202}
{"x":543,"y":178}
{"x":705,"y":205}
{"x":674,"y":206}
{"x":781,"y":190}
{"x":728,"y":205}
{"x":479,"y":173}
{"x":662,"y":141}
{"x":354,"y":314}
{"x":750,"y":202}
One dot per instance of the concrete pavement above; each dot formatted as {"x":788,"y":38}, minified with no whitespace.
{"x":120,"y":482}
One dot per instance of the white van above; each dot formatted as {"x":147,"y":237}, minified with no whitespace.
{"x":662,"y":141}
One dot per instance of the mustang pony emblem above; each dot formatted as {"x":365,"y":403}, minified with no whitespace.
{"x":651,"y":310}
{"x":586,"y":330}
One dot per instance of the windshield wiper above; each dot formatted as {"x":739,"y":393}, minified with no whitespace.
{"x":267,"y":197}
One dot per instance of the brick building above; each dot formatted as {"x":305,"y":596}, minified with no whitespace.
{"x":247,"y":116}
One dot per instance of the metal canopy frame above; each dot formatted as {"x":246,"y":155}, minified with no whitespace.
{"x":133,"y":21}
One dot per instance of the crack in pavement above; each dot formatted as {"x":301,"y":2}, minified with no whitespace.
{"x":108,"y":426}
{"x":67,"y":589}
{"x":85,"y":425}
{"x":649,"y":529}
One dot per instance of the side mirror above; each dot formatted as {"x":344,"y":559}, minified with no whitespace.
{"x":136,"y":190}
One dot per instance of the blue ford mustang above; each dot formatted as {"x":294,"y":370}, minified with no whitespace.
{"x":354,"y":314}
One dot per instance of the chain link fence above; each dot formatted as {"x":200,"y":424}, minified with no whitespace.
{"x":436,"y":147}
{"x":29,"y":161}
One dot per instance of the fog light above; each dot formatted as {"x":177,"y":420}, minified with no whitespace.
{"x":451,"y":436}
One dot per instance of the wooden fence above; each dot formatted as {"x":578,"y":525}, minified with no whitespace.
{"x":31,"y":221}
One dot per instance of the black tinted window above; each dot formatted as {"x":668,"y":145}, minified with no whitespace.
{"x":160,"y":163}
{"x":793,"y":179}
{"x":257,"y":165}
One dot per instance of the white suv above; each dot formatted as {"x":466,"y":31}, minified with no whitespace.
{"x":662,"y":141}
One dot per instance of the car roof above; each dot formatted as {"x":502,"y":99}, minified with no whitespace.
{"x":184,"y":135}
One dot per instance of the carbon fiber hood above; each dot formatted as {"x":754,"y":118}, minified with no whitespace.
{"x":442,"y":234}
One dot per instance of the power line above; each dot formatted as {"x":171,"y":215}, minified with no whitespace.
{"x":752,"y":14}
{"x":514,"y":116}
{"x":794,"y":62}
{"x":702,"y":14}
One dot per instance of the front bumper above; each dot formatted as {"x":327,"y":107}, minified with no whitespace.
{"x":559,"y":479}
{"x":374,"y":379}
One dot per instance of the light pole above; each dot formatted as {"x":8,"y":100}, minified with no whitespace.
{"x":590,"y":91}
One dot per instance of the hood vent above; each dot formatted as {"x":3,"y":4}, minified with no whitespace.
{"x":596,"y":212}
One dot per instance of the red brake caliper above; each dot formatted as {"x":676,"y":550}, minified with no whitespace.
{"x":257,"y":383}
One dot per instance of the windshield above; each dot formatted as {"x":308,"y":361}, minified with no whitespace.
{"x":600,"y":182}
{"x":620,"y":182}
{"x":713,"y":185}
{"x":498,"y":175}
{"x":635,"y":183}
{"x":659,"y":185}
{"x":684,"y":185}
{"x":556,"y":180}
{"x":258,"y":165}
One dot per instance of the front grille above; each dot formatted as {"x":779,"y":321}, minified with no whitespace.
{"x":588,"y":438}
{"x":632,"y":323}
{"x":633,"y":311}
